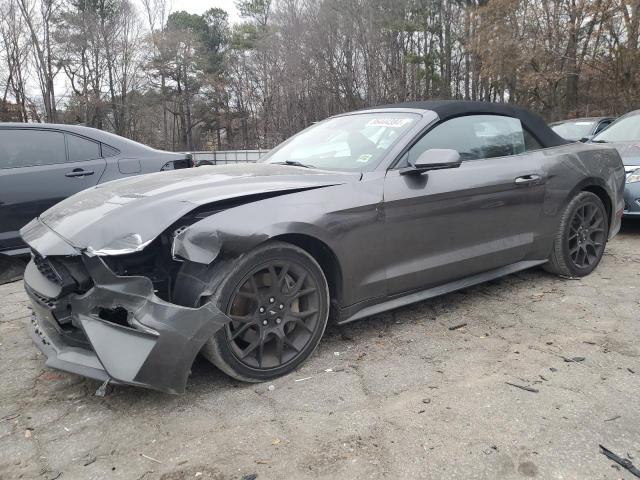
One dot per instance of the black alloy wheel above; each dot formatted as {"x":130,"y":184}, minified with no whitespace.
{"x":587,"y":236}
{"x":275,"y":311}
{"x":581,"y":238}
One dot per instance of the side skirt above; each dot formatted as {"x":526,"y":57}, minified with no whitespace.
{"x":440,"y":290}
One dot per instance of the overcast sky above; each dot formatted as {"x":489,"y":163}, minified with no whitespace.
{"x":200,"y":6}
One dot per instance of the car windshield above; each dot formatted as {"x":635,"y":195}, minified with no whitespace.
{"x":627,"y":129}
{"x":574,"y":130}
{"x":351,"y":142}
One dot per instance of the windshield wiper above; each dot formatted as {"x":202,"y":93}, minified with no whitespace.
{"x":293,"y":163}
{"x":598,"y":141}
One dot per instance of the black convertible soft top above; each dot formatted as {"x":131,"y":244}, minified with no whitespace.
{"x":446,"y":109}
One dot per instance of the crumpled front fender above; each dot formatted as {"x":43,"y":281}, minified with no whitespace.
{"x":154,"y":349}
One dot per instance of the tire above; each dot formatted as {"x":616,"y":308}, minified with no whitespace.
{"x":579,"y":244}
{"x":276,"y":326}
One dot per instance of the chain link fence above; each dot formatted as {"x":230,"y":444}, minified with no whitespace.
{"x":223,"y":157}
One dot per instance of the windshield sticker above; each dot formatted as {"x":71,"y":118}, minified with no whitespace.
{"x":364,"y":158}
{"x":389,"y":122}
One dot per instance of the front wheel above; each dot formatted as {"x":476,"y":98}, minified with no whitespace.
{"x":277,"y":298}
{"x":581,"y":238}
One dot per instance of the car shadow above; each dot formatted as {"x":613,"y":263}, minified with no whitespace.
{"x":630,"y":226}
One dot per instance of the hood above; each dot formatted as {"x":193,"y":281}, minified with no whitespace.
{"x":125,"y":215}
{"x":629,"y":151}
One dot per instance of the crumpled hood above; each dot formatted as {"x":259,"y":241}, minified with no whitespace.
{"x":138,"y":209}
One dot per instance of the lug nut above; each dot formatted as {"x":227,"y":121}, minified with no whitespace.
{"x":271,"y":300}
{"x":281,"y":306}
{"x":261,"y":309}
{"x":264,"y":322}
{"x":278,"y":321}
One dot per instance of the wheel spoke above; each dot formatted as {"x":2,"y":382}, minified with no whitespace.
{"x":250,"y":348}
{"x":283,"y":275}
{"x":298,"y":285}
{"x":304,"y":292}
{"x":280,"y":342}
{"x":241,"y":330}
{"x":303,"y":315}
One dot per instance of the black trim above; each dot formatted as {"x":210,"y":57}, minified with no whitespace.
{"x":447,"y":109}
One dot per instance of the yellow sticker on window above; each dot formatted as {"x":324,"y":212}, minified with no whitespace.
{"x":364,"y":158}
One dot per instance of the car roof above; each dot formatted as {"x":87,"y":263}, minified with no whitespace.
{"x":446,"y":109}
{"x":121,"y":143}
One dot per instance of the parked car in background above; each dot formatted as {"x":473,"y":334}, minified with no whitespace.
{"x":358,"y":214}
{"x":624,"y":135}
{"x":42,"y":164}
{"x":581,"y":128}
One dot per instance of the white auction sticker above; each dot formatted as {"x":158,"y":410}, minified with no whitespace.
{"x":389,"y":122}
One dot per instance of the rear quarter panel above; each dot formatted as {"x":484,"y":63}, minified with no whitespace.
{"x":570,"y":169}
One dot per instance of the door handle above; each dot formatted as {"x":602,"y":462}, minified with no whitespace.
{"x":78,"y":172}
{"x":528,"y":179}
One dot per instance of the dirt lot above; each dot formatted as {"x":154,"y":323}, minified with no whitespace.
{"x":406,"y":397}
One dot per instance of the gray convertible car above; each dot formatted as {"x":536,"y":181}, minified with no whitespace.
{"x":358,"y":214}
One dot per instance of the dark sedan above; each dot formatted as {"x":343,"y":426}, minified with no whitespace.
{"x":578,"y":129}
{"x":42,"y":164}
{"x":361,"y":213}
{"x":624,"y":135}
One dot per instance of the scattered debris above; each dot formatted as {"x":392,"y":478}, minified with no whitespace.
{"x":263,"y":462}
{"x":543,"y":378}
{"x":329,"y":370}
{"x":456,"y":327}
{"x":250,"y":476}
{"x":612,"y":418}
{"x":589,"y":343}
{"x":10,"y":417}
{"x":523,"y":387}
{"x":150,"y":458}
{"x":426,"y":401}
{"x":276,"y":441}
{"x":301,"y":379}
{"x":553,"y":369}
{"x":623,"y":462}
{"x":104,"y":389}
{"x":631,"y":371}
{"x":88,"y":460}
{"x":337,"y":354}
{"x":421,"y":411}
{"x":27,"y":433}
{"x":573,"y":359}
{"x":271,"y":388}
{"x":54,"y":475}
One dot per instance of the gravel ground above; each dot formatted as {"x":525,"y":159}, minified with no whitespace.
{"x":405,"y":398}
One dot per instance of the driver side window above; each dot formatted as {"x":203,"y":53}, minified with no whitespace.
{"x":476,"y":137}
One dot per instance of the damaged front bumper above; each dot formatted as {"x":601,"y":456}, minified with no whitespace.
{"x":152,"y":344}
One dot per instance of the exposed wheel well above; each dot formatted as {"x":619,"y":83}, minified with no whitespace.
{"x":325,"y":258}
{"x":604,"y":196}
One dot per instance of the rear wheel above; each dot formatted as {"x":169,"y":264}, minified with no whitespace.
{"x":580,"y":241}
{"x":277,"y":298}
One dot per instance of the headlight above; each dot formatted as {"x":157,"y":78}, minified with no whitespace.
{"x":634,"y":177}
{"x":129,"y":243}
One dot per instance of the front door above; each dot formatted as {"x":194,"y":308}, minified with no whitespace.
{"x":447,"y":224}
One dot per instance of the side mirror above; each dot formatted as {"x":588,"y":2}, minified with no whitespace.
{"x":586,"y":139}
{"x":433,"y":159}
